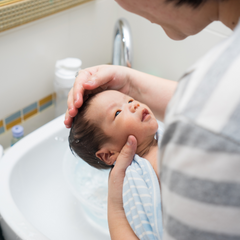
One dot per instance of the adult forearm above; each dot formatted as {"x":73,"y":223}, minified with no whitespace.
{"x":153,"y":91}
{"x":118,"y":225}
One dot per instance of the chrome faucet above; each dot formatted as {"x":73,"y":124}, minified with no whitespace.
{"x":122,"y":44}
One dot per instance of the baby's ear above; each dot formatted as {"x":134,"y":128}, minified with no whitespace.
{"x":107,"y":156}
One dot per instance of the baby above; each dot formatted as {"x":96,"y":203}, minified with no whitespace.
{"x":99,"y":132}
{"x":103,"y":124}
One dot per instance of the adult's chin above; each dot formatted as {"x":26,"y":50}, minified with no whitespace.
{"x":177,"y":36}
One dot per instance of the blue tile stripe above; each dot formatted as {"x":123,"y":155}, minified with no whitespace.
{"x":45,"y":105}
{"x":25,"y":113}
{"x":2,"y":130}
{"x":13,"y":117}
{"x":29,"y":108}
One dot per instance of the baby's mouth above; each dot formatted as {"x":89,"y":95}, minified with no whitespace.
{"x":145,"y":113}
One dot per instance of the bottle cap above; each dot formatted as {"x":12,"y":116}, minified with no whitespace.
{"x":65,"y":71}
{"x":17,"y":131}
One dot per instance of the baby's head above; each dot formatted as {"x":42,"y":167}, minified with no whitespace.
{"x":103,"y":124}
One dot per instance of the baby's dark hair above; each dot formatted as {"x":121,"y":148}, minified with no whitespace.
{"x":86,"y":138}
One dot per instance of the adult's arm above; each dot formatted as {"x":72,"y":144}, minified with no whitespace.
{"x":118,"y":225}
{"x":153,"y":91}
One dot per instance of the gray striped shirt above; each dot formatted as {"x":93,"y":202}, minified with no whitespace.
{"x":200,"y":150}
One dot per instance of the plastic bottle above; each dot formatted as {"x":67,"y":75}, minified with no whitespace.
{"x":17,"y":134}
{"x":65,"y":72}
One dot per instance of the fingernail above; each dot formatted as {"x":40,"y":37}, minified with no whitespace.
{"x":129,"y":142}
{"x":69,"y":112}
{"x":77,"y":98}
{"x":90,"y":82}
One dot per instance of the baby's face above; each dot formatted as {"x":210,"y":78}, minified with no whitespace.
{"x":119,"y":116}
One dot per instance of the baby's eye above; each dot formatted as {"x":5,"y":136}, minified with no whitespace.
{"x":130,"y":101}
{"x":117,"y":112}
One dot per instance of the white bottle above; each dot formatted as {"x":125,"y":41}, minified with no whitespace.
{"x":65,"y":71}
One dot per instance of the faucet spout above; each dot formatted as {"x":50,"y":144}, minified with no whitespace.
{"x":122,"y":44}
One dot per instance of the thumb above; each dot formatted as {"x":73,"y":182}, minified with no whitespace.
{"x":99,"y":77}
{"x":126,"y":155}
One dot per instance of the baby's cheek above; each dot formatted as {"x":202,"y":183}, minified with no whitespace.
{"x":135,"y":130}
{"x":130,"y":126}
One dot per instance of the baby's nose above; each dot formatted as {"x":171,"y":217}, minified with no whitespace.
{"x":134,"y":106}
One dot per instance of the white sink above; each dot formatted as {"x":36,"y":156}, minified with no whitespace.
{"x":35,"y":202}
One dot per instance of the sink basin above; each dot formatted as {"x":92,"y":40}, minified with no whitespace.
{"x":35,"y":201}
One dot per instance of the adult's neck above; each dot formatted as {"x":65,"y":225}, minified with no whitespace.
{"x":229,"y":12}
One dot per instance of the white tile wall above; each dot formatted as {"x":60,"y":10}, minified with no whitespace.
{"x":28,"y":53}
{"x":30,"y":125}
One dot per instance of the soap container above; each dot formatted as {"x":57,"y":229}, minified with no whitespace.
{"x":17,"y":134}
{"x":65,"y":72}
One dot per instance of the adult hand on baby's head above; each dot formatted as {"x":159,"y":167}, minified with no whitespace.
{"x":93,"y":80}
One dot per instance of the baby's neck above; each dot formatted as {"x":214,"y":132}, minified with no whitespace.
{"x":149,"y":152}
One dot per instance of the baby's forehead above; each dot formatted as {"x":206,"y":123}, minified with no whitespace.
{"x":108,"y":97}
{"x":111,"y":94}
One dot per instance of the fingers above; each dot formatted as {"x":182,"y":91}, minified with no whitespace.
{"x":100,"y":76}
{"x":76,"y":94}
{"x":94,"y":80}
{"x":126,"y":155}
{"x":78,"y":89}
{"x":91,"y":80}
{"x":68,"y":120}
{"x":71,"y":111}
{"x":87,"y":82}
{"x":118,"y":173}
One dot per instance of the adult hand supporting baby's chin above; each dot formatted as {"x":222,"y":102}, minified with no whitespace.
{"x":118,"y":225}
{"x":93,"y":80}
{"x":117,"y":174}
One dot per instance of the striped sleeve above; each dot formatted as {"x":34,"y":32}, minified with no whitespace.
{"x":200,"y":150}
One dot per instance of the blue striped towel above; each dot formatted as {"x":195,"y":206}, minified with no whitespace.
{"x":142,"y":200}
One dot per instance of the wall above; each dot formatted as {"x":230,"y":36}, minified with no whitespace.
{"x":28,"y":54}
{"x":155,"y":53}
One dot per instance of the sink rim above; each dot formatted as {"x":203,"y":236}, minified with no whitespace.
{"x":8,"y":208}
